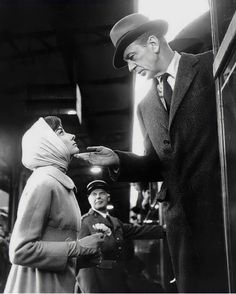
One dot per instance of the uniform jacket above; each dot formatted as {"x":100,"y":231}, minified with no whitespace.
{"x":110,"y":275}
{"x":182,"y":150}
{"x":48,"y":216}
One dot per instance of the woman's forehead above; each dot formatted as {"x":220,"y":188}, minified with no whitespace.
{"x":60,"y":127}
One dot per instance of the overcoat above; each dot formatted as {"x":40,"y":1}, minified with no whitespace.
{"x":48,"y":216}
{"x":182,"y":151}
{"x":110,"y":276}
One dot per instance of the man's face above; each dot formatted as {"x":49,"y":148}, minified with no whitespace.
{"x":99,"y":199}
{"x":143,"y":58}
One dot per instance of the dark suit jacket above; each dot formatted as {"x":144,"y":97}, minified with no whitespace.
{"x":110,"y":276}
{"x":182,"y":150}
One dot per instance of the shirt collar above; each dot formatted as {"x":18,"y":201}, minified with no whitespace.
{"x":58,"y":175}
{"x":173,"y":66}
{"x":104,"y":214}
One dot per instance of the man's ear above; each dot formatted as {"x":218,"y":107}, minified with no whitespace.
{"x":108,"y":197}
{"x":89,"y":200}
{"x":154,"y":42}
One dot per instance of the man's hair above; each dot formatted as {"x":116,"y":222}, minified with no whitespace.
{"x":53,"y":121}
{"x":142,"y":39}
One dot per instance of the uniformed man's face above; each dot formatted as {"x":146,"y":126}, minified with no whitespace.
{"x":99,"y":199}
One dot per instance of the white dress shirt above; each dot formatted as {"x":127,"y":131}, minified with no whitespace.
{"x":172,"y":71}
{"x":104,"y":214}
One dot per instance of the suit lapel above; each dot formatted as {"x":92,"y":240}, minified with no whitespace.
{"x":115,"y":222}
{"x":185,"y":75}
{"x":158,"y":114}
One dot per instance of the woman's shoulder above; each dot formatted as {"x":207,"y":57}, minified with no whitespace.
{"x":40,"y":179}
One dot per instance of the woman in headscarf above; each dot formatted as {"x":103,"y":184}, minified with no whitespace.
{"x":44,"y":244}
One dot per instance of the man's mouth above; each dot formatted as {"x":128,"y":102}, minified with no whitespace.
{"x":142,"y":72}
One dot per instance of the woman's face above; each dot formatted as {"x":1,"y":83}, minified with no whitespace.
{"x":68,"y":139}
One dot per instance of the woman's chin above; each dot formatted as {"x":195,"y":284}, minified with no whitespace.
{"x":75,"y":151}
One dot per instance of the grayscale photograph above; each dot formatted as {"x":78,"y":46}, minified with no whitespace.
{"x":117,"y":146}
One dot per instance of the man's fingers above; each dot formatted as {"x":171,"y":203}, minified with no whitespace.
{"x":94,"y":148}
{"x":83,"y":156}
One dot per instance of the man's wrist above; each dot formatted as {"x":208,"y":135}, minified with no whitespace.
{"x":117,"y":161}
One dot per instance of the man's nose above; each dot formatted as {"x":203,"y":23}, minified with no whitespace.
{"x":72,"y":136}
{"x":131,"y":66}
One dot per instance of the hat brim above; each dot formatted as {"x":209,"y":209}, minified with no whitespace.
{"x":160,"y":26}
{"x":98,"y":186}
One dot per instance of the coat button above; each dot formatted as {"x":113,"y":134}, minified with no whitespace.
{"x":166,"y":142}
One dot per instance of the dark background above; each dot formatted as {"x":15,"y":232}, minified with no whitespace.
{"x":46,"y":48}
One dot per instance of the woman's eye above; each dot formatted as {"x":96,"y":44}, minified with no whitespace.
{"x":60,"y":132}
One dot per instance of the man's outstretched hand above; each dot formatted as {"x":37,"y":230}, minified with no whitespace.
{"x":99,"y":155}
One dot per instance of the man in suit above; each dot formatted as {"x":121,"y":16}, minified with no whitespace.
{"x":179,"y":124}
{"x":110,"y":276}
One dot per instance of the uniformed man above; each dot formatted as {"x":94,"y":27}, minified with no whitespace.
{"x":110,"y":275}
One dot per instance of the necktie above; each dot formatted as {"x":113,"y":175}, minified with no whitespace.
{"x":109,"y":220}
{"x":167,"y":91}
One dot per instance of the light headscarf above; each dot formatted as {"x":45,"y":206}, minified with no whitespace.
{"x":42,"y":147}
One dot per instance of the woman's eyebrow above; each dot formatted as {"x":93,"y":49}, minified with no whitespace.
{"x":60,"y":128}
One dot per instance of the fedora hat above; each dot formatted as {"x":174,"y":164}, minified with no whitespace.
{"x":97,"y":184}
{"x":128,"y":29}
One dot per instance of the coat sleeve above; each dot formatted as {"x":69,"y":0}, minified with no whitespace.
{"x":135,"y":168}
{"x":84,"y":230}
{"x":143,"y":231}
{"x":26,"y":246}
{"x":83,"y":261}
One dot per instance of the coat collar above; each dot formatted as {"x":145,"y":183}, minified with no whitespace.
{"x":58,"y":175}
{"x":185,"y":75}
{"x":102,"y":219}
{"x":186,"y":69}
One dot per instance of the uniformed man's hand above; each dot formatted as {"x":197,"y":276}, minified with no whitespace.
{"x":99,"y":155}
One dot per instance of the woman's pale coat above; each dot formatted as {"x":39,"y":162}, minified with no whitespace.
{"x":48,"y":217}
